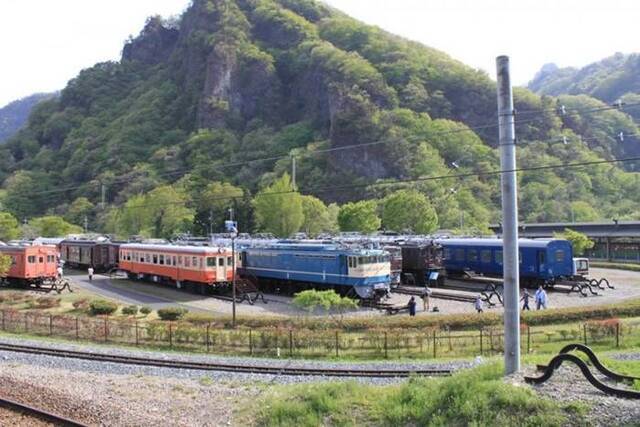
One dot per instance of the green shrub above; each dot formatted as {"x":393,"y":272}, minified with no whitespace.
{"x":97,"y":307}
{"x":172,"y":313}
{"x":131,"y":310}
{"x":615,"y":265}
{"x":44,"y":303}
{"x":199,"y":318}
{"x":81,"y":304}
{"x":145,"y":310}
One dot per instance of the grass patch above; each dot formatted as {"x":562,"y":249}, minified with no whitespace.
{"x":474,"y":397}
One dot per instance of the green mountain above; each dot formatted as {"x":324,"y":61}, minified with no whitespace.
{"x":209,"y":96}
{"x":15,"y":114}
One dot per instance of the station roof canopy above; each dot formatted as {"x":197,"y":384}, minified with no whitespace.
{"x":613,"y":228}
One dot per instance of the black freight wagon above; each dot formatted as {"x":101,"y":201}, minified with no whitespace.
{"x":101,"y":255}
{"x":419,"y":261}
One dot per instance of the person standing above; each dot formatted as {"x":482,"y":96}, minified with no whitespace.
{"x":478,"y":304}
{"x":541,"y":298}
{"x":425,"y":298}
{"x":525,"y":299}
{"x":60,"y":272}
{"x":412,"y":306}
{"x":90,"y":271}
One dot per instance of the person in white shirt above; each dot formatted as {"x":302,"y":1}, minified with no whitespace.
{"x":90,"y":271}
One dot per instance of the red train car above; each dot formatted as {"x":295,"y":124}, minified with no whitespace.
{"x":183,"y":266}
{"x":31,"y":265}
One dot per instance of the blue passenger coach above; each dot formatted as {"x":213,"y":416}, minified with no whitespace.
{"x":322,"y":265}
{"x":541,"y":261}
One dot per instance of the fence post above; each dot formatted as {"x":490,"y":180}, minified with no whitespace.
{"x":170,"y":335}
{"x":250,"y":342}
{"x":290,"y":343}
{"x":584,"y":329}
{"x":50,"y":324}
{"x":337,"y":345}
{"x":106,"y":330}
{"x":137,"y":337}
{"x":3,"y":328}
{"x":617,"y":334}
{"x":480,"y":341}
{"x":208,"y":337}
{"x":77,"y":330}
{"x":386,"y":354}
{"x":528,"y":339}
{"x":434,"y":344}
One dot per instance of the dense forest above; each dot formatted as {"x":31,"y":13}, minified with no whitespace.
{"x":15,"y":114}
{"x":208,"y":112}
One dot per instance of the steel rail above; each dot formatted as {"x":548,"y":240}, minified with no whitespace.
{"x":55,"y":419}
{"x":225,"y":367}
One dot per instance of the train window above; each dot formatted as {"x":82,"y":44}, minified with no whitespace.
{"x":179,"y":259}
{"x":485,"y":256}
{"x":161,"y":260}
{"x":141,"y":259}
{"x":559,"y":256}
{"x":360,"y":260}
{"x":229,"y":261}
{"x":220,"y":262}
{"x":194,"y":261}
{"x":459,"y":255}
{"x":498,"y":257}
{"x":520,"y":257}
{"x":31,"y":259}
{"x":473,"y":255}
{"x":447,"y":253}
{"x":186,"y":262}
{"x":174,"y":261}
{"x":211,"y":261}
{"x":201,"y":263}
{"x":155,"y":258}
{"x":541,"y":258}
{"x":41,"y":260}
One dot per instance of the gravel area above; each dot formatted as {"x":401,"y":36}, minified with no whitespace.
{"x":91,"y":366}
{"x":19,"y":419}
{"x":568,"y":384}
{"x":627,"y":284}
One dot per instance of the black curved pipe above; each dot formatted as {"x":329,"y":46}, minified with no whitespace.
{"x":560,"y":358}
{"x":596,"y":362}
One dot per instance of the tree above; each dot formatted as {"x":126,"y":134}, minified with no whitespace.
{"x":359,"y":216}
{"x":580,"y":242}
{"x":278,"y":209}
{"x":5,"y":264}
{"x":166,"y":212}
{"x":409,"y":210}
{"x":53,"y":226}
{"x":317,"y":217}
{"x":78,"y":210}
{"x":213,"y":204}
{"x":9,"y":229}
{"x":583,"y":212}
{"x":332,"y":303}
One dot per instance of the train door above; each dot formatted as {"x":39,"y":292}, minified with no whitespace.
{"x":542,"y":262}
{"x":41,"y":266}
{"x":221,"y":270}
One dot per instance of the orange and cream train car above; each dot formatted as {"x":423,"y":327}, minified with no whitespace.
{"x":30,"y":265}
{"x":195,"y":268}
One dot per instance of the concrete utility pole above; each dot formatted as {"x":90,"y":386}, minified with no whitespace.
{"x":507,"y":141}
{"x":293,"y":173}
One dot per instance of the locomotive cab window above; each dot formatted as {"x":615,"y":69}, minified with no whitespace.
{"x":559,"y":255}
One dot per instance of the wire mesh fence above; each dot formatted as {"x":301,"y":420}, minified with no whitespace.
{"x":307,"y":343}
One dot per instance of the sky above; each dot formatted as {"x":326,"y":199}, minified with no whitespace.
{"x":45,"y":43}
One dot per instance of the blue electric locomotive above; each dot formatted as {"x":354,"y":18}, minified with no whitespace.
{"x":305,"y":265}
{"x":541,"y":261}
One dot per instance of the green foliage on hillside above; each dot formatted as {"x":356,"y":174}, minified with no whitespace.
{"x":203,"y":112}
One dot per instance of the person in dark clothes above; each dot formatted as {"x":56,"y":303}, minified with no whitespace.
{"x":525,"y":299}
{"x":412,"y":306}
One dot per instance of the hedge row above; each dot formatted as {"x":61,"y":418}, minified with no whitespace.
{"x":453,"y":321}
{"x":615,"y":265}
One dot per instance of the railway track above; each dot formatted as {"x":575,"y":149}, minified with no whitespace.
{"x":224,"y":367}
{"x":41,"y":414}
